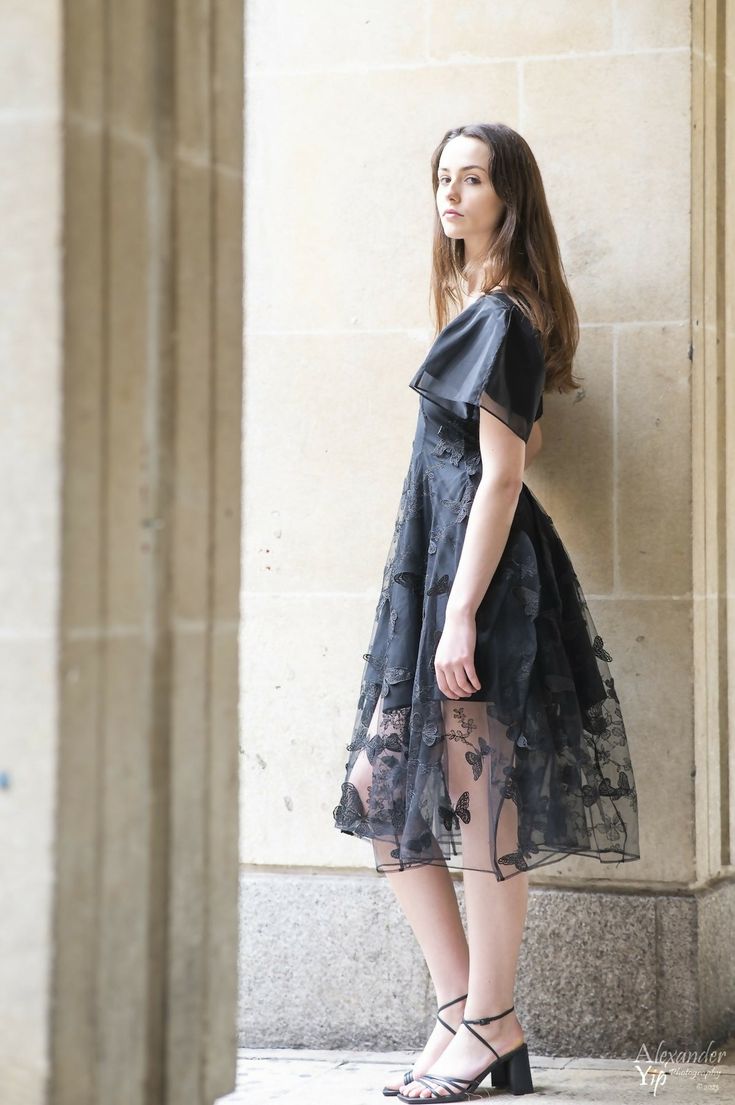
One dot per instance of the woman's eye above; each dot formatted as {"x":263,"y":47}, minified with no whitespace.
{"x":445,"y":180}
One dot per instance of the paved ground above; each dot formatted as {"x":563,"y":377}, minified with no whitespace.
{"x":269,"y":1077}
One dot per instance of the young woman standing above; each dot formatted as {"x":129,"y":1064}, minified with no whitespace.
{"x":489,"y":736}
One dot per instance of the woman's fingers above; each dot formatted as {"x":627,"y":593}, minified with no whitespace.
{"x":458,"y":681}
{"x":465,"y":678}
{"x":443,"y":684}
{"x":472,"y":677}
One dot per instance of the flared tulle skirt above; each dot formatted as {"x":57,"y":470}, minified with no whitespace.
{"x":533,"y":767}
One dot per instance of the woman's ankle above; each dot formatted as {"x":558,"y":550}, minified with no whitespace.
{"x":456,"y":994}
{"x":500,"y":1028}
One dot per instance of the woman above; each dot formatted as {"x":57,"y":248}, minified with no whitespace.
{"x":488,"y":736}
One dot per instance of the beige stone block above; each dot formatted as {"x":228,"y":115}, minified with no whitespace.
{"x":30,"y":382}
{"x":190,"y":746}
{"x":27,"y":856}
{"x":228,"y":395}
{"x":478,"y":29}
{"x":222,"y":877}
{"x":320,"y":500}
{"x":292,"y":35}
{"x":376,"y":205}
{"x":130,"y":534}
{"x":193,"y":82}
{"x":83,"y":438}
{"x":80,"y":803}
{"x":130,"y":76}
{"x":84,"y":60}
{"x":228,"y":87}
{"x":298,"y":706}
{"x":192,"y":430}
{"x":573,"y":475}
{"x":654,"y":466}
{"x":618,"y":181}
{"x":651,"y":25}
{"x":126,"y":865}
{"x":203,"y":905}
{"x":30,"y":71}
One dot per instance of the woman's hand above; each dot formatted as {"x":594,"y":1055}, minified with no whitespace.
{"x":454,"y":662}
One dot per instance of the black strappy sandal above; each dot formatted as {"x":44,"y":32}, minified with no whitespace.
{"x":409,"y":1077}
{"x":513,"y":1067}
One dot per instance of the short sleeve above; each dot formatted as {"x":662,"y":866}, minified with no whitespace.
{"x":487,"y":358}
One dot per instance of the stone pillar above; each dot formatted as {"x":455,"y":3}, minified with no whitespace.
{"x":126,"y":993}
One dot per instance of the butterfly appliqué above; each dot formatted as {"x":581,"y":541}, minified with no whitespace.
{"x":421,"y":843}
{"x":410,"y":580}
{"x":350,"y":814}
{"x":452,"y":817}
{"x":441,"y":587}
{"x":390,"y":675}
{"x":622,"y":788}
{"x":449,"y":445}
{"x":510,"y":786}
{"x":517,"y":857}
{"x":381,"y":743}
{"x":598,"y":649}
{"x":475,"y":760}
{"x":461,"y":507}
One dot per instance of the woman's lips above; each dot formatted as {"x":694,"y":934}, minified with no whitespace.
{"x":453,"y":215}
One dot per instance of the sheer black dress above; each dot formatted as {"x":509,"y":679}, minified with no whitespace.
{"x":535,"y":766}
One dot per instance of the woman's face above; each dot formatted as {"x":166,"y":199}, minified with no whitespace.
{"x":464,"y":185}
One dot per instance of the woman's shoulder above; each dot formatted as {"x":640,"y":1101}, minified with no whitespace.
{"x":481,"y":328}
{"x":487,"y":356}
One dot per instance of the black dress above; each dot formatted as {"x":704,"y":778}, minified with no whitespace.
{"x":535,"y":766}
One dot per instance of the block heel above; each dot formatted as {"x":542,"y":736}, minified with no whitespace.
{"x":518,"y":1071}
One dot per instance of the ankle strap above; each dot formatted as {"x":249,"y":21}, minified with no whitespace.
{"x":486,"y":1020}
{"x":445,"y":1006}
{"x":452,"y":1002}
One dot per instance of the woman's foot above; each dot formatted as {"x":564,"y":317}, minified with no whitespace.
{"x":465,"y":1056}
{"x":435,"y":1045}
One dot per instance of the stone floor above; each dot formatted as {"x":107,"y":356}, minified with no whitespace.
{"x":272,"y":1076}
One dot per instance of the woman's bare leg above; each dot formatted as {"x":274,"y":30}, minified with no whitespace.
{"x":427,"y":897}
{"x":496,"y":912}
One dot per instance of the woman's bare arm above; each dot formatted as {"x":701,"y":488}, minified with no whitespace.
{"x":491,"y":514}
{"x":488,"y":526}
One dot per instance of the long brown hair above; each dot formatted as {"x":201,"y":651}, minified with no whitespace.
{"x":523,"y":256}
